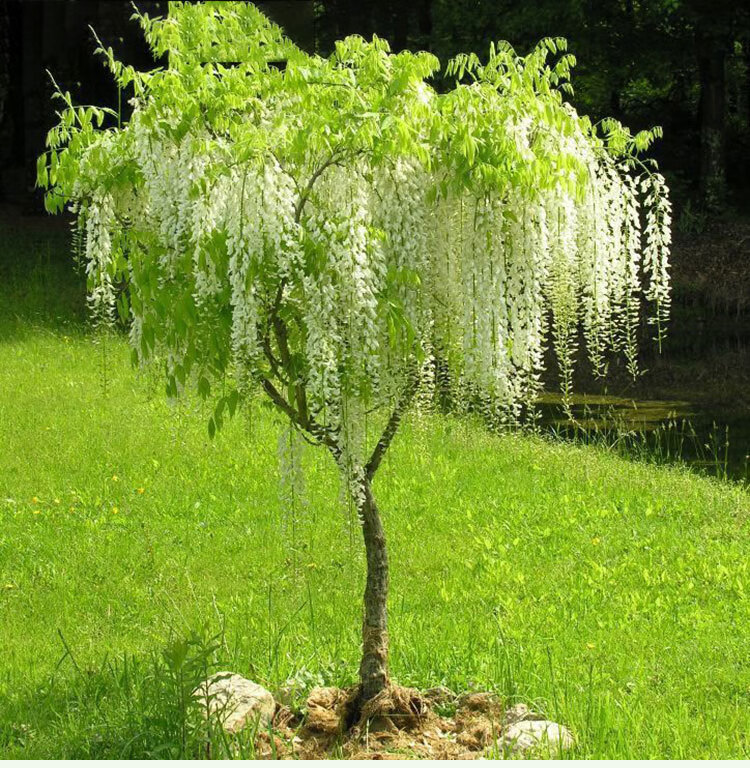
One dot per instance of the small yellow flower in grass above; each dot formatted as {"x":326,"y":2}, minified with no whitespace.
{"x":37,"y":511}
{"x":57,"y":501}
{"x":596,"y":541}
{"x":115,"y":478}
{"x":591,"y":646}
{"x":141,"y":490}
{"x":34,"y":500}
{"x":115,"y":510}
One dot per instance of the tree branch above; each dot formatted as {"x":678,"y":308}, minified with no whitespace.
{"x":304,"y":422}
{"x":300,"y":416}
{"x":391,"y":427}
{"x":281,"y":333}
{"x":278,"y":400}
{"x":265,"y":344}
{"x":311,"y":183}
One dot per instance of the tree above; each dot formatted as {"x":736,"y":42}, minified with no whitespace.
{"x":4,"y":58}
{"x":321,"y":229}
{"x":715,"y":26}
{"x":669,"y":61}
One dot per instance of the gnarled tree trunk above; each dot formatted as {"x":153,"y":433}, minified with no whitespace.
{"x":373,"y":669}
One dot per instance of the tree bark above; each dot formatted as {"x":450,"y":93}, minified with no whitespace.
{"x":711,"y":68}
{"x":4,"y":57}
{"x":373,"y":669}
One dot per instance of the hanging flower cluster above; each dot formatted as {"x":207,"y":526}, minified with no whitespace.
{"x":334,"y":231}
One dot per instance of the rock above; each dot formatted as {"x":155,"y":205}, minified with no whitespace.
{"x":236,"y":701}
{"x":526,"y":735}
{"x":519,"y":712}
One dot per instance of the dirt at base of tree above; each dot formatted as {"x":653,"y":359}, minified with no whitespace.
{"x":397,"y":724}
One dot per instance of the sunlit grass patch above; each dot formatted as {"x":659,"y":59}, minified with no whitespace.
{"x":612,"y":595}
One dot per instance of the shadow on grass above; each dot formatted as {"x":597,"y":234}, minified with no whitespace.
{"x":41,"y":285}
{"x":133,"y":707}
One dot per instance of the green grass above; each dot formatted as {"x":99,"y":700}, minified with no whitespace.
{"x":614,"y":596}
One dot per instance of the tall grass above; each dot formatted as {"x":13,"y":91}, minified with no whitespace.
{"x":137,"y":556}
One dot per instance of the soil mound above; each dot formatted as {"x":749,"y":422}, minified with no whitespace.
{"x":400,"y":723}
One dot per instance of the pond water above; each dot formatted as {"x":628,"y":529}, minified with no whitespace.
{"x":708,"y":436}
{"x":692,"y":404}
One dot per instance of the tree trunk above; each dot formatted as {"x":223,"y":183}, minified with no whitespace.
{"x":373,"y":669}
{"x":711,"y":68}
{"x":4,"y":57}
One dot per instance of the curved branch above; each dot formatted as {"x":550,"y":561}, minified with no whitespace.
{"x":392,"y":426}
{"x":305,"y":423}
{"x":311,"y":183}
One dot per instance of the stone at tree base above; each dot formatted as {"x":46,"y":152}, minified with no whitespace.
{"x":237,"y":701}
{"x":519,"y":712}
{"x":526,"y":735}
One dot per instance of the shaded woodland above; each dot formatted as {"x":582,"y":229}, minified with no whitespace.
{"x":681,"y":64}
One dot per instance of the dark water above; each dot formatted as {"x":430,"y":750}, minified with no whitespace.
{"x":691,"y":405}
{"x":709,"y":437}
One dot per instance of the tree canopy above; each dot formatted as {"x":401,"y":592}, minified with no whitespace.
{"x":334,"y":221}
{"x":327,"y":228}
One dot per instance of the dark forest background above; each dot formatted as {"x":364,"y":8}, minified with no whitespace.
{"x":681,"y":64}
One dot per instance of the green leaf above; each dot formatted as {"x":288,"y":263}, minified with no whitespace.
{"x":204,"y":387}
{"x":42,"y":178}
{"x":232,"y":401}
{"x":123,"y":309}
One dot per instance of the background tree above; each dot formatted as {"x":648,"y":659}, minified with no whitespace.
{"x":651,"y":61}
{"x":4,"y":58}
{"x":321,"y":228}
{"x":645,"y":63}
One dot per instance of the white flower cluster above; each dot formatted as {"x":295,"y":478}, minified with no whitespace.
{"x":509,"y":270}
{"x":658,"y":235}
{"x":342,"y":290}
{"x":98,"y":219}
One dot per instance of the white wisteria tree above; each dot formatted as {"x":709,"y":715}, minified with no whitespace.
{"x":325,"y":229}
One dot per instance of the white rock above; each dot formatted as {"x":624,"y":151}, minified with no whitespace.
{"x":532,"y":734}
{"x":237,"y":701}
{"x":519,"y":712}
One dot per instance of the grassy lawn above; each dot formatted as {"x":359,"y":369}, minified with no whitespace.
{"x":613,"y":595}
